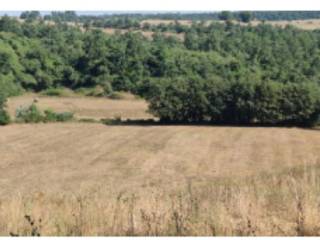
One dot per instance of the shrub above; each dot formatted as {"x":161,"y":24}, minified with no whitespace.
{"x":32,"y":114}
{"x":29,"y":114}
{"x":51,"y":116}
{"x":116,"y":96}
{"x":4,"y":117}
{"x":112,"y":121}
{"x":64,"y":117}
{"x":52,"y":92}
{"x":107,"y":88}
{"x":58,"y":92}
{"x":97,"y":91}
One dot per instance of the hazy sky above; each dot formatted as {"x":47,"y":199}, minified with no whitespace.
{"x":17,"y":13}
{"x":159,"y":5}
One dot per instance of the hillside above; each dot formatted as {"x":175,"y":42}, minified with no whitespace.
{"x":138,"y":157}
{"x":91,"y":179}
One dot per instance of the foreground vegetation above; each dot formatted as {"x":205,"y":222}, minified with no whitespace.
{"x":284,"y":204}
{"x":91,"y":179}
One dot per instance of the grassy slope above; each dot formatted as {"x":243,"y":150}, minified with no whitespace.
{"x":87,"y":179}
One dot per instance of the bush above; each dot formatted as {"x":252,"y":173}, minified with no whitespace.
{"x":112,"y":121}
{"x":32,"y":114}
{"x":58,"y":92}
{"x":98,"y":91}
{"x":52,"y":92}
{"x":29,"y":114}
{"x":4,"y":117}
{"x":116,"y":96}
{"x":107,"y":88}
{"x":51,"y":116}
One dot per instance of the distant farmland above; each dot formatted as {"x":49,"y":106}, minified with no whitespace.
{"x":306,"y":24}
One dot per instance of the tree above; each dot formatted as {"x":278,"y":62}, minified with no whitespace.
{"x":4,"y":116}
{"x":191,"y":40}
{"x":184,"y":101}
{"x":225,"y":15}
{"x":30,"y":16}
{"x":8,"y":24}
{"x":267,"y":102}
{"x":245,"y":16}
{"x":300,"y":103}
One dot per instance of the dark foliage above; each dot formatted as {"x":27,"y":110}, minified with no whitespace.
{"x":4,"y":116}
{"x":219,"y":73}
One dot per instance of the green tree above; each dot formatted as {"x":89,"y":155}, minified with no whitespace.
{"x":184,"y":101}
{"x":30,"y":16}
{"x":300,"y":103}
{"x":245,"y":16}
{"x":4,"y":116}
{"x":225,"y":15}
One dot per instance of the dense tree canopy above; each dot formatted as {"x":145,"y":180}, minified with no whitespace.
{"x":219,"y":72}
{"x":134,"y":17}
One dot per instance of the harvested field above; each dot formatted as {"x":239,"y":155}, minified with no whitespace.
{"x":91,"y":179}
{"x":307,"y":24}
{"x":156,"y":22}
{"x":133,"y":156}
{"x":147,"y":34}
{"x":85,"y":107}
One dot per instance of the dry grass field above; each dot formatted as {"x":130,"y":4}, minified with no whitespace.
{"x":308,"y":24}
{"x":85,"y":107}
{"x":156,"y":22}
{"x":93,"y":179}
{"x":147,"y":34}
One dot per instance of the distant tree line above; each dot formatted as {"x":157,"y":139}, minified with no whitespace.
{"x":259,"y":15}
{"x":129,"y":20}
{"x":223,"y":73}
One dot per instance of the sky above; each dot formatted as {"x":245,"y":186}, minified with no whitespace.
{"x":158,"y":5}
{"x":17,"y":13}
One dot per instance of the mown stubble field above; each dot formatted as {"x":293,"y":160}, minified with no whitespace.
{"x":93,"y":179}
{"x":85,"y":107}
